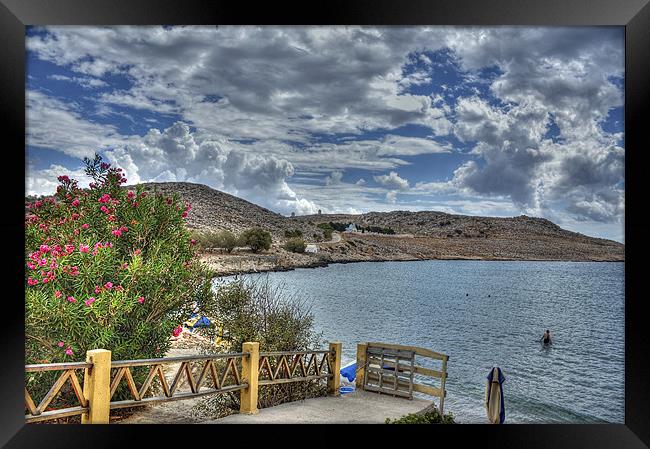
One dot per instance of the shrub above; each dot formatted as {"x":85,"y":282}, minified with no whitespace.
{"x":339,"y":226}
{"x":212,"y":239}
{"x":327,"y":230}
{"x":293,"y":233}
{"x":256,"y":310}
{"x":377,"y":229}
{"x":107,"y":267}
{"x":295,"y":245}
{"x":257,"y":239}
{"x":228,"y":241}
{"x":429,"y":417}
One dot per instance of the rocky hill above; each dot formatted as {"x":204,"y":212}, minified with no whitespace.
{"x":213,"y":209}
{"x":421,"y":235}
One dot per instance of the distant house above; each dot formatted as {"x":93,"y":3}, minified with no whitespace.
{"x":311,"y":248}
{"x":351,"y":228}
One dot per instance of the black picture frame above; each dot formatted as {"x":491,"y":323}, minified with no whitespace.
{"x":633,"y":14}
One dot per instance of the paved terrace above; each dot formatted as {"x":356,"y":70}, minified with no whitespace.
{"x":358,"y":407}
{"x":352,"y":408}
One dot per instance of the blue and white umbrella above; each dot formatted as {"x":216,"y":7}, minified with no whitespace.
{"x":494,"y":404}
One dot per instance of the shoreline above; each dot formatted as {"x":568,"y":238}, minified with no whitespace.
{"x":323,"y":263}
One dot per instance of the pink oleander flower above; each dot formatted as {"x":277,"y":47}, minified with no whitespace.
{"x":61,"y":344}
{"x":111,"y":218}
{"x":108,"y":285}
{"x":98,"y":289}
{"x":192,"y":242}
{"x":104,"y":209}
{"x":125,"y":265}
{"x":58,"y":293}
{"x":184,"y":214}
{"x":116,"y":232}
{"x":31,"y":265}
{"x":42,"y":262}
{"x":177,"y":331}
{"x":63,"y":178}
{"x":169,"y":201}
{"x":137,"y":252}
{"x":69,"y":248}
{"x":84,"y":248}
{"x":31,"y":281}
{"x":119,"y":288}
{"x":46,"y":280}
{"x":124,"y":229}
{"x":76,"y":232}
{"x":68,"y":351}
{"x":89,"y":301}
{"x":85,"y":226}
{"x":131,"y":194}
{"x":44,"y":249}
{"x":71,"y":299}
{"x":105,"y":198}
{"x":38,"y":204}
{"x":76,"y":203}
{"x":74,"y":216}
{"x":141,"y":299}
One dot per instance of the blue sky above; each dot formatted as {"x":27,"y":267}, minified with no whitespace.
{"x":478,"y":121}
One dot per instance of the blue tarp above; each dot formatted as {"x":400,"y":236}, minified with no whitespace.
{"x":203,"y":322}
{"x":349,"y":372}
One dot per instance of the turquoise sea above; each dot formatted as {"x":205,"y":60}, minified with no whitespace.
{"x":484,"y":314}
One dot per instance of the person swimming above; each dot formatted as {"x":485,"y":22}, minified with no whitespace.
{"x":546,"y":338}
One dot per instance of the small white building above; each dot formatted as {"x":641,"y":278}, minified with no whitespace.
{"x":351,"y":228}
{"x":311,"y":248}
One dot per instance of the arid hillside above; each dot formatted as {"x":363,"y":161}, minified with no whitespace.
{"x":420,"y":235}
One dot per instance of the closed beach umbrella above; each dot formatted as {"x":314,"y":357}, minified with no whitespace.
{"x":494,"y":404}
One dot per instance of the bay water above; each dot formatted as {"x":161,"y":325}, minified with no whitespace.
{"x":484,"y":314}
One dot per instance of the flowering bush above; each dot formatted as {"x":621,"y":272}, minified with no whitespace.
{"x":107,"y":267}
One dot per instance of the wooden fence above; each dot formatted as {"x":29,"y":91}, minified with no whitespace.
{"x":390,"y":369}
{"x":244,"y":371}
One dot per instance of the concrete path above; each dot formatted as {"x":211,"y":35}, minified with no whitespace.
{"x":352,"y":408}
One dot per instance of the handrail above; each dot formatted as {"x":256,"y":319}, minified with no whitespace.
{"x":56,"y":366}
{"x":202,"y":375}
{"x":307,"y":351}
{"x":418,"y":350}
{"x":166,"y":360}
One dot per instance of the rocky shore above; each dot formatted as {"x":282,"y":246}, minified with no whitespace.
{"x":426,"y":235}
{"x":377,"y":248}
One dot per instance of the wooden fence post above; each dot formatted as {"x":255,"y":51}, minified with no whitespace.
{"x":361,"y":364}
{"x":250,"y":372}
{"x":97,"y":387}
{"x":442,"y":383}
{"x":334,"y":384}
